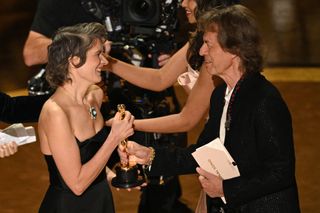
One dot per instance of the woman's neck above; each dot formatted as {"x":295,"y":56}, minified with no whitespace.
{"x":76,"y":94}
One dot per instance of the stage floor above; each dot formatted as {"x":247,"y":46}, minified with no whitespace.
{"x":24,"y":178}
{"x":290,"y":30}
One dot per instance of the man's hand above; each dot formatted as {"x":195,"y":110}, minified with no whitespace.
{"x":210,"y":183}
{"x":134,"y":153}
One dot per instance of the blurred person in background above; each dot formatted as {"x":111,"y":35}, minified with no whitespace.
{"x":18,"y":109}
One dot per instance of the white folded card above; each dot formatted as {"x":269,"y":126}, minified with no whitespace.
{"x":18,"y":133}
{"x":215,"y":158}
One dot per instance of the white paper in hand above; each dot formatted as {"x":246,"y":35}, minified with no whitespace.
{"x":5,"y":138}
{"x":18,"y":133}
{"x":215,"y":158}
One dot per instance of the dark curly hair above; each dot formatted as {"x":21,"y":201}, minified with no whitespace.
{"x":238,"y":34}
{"x":195,"y":41}
{"x":69,"y":42}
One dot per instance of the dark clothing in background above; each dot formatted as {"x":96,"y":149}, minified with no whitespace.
{"x":21,"y":108}
{"x":53,"y":14}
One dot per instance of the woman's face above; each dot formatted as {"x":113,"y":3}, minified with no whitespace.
{"x":190,"y":6}
{"x":91,"y":69}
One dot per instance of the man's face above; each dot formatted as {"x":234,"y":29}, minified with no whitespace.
{"x":217,"y":60}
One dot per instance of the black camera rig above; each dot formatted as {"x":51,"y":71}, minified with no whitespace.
{"x":138,"y":27}
{"x":140,"y":30}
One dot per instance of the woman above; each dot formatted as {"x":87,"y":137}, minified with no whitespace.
{"x":160,"y":79}
{"x":73,"y":138}
{"x":247,"y":114}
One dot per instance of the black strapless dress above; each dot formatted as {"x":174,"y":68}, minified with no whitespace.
{"x":96,"y":199}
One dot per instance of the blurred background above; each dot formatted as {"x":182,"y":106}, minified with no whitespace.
{"x":290,"y":30}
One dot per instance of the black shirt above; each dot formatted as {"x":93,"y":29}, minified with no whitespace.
{"x":53,"y":14}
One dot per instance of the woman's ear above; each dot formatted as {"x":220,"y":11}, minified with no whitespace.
{"x":74,"y":61}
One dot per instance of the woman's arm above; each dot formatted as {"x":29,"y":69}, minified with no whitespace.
{"x":95,"y":95}
{"x":149,"y":78}
{"x":195,"y":108}
{"x":56,"y":132}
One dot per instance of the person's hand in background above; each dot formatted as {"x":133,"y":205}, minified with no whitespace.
{"x":163,"y":59}
{"x":8,"y":149}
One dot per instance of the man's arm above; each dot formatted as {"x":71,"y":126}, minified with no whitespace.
{"x":35,"y":50}
{"x":21,"y":108}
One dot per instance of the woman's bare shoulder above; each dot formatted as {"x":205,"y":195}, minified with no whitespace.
{"x":51,"y":109}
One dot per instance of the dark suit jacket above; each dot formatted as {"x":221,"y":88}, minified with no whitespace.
{"x":21,"y":108}
{"x":260,"y":140}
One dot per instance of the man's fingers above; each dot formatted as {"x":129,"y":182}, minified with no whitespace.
{"x":1,"y":152}
{"x":132,"y":160}
{"x":6,"y":152}
{"x":121,"y":148}
{"x":203,"y":172}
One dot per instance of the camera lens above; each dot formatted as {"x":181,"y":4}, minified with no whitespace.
{"x":142,"y":9}
{"x":142,"y":13}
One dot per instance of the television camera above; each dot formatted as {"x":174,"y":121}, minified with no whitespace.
{"x":138,"y":27}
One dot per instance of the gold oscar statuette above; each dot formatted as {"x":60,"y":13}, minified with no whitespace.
{"x":126,"y":175}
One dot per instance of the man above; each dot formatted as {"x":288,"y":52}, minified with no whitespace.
{"x":247,"y":115}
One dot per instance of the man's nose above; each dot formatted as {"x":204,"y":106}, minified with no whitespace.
{"x":203,"y":50}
